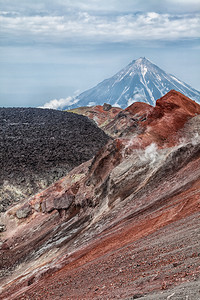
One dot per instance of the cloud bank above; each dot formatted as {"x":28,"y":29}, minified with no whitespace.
{"x":100,"y":6}
{"x":84,"y":26}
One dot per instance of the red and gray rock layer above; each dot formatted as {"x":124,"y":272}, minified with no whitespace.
{"x":123,"y":225}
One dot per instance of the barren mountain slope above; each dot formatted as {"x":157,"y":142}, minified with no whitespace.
{"x":124,"y":225}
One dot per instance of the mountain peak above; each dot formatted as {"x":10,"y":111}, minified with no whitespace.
{"x":138,"y":62}
{"x":141,"y":60}
{"x":139,"y":81}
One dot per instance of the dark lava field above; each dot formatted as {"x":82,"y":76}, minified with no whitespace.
{"x":38,"y":146}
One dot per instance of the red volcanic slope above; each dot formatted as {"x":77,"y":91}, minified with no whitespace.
{"x":157,"y":124}
{"x":139,"y":108}
{"x":169,"y":115}
{"x":102,"y":115}
{"x":124,"y":224}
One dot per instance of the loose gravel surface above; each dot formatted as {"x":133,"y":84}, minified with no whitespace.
{"x":163,"y":265}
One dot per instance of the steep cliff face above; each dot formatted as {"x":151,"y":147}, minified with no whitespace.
{"x":122,"y":225}
{"x":39,"y":146}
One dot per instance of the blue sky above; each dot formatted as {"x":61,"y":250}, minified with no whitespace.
{"x":57,"y":49}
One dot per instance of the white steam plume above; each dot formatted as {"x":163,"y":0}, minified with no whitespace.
{"x":61,"y":103}
{"x":150,"y":153}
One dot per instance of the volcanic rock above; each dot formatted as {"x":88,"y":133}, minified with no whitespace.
{"x":107,"y":106}
{"x":39,"y":146}
{"x":159,"y":124}
{"x":122,"y":225}
{"x":101,"y":115}
{"x":23,"y":212}
{"x":2,"y":228}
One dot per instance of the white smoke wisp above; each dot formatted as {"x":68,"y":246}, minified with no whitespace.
{"x":150,"y":153}
{"x":61,"y":103}
{"x":195,"y":139}
{"x":128,"y":145}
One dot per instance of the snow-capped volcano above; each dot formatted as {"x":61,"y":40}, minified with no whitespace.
{"x":140,"y":81}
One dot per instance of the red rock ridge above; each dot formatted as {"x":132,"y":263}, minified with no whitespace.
{"x":158,"y":124}
{"x":102,"y":115}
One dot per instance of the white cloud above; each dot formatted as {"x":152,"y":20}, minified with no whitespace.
{"x":91,"y":103}
{"x":130,"y":101}
{"x":60,"y":103}
{"x":116,"y":105}
{"x":55,"y":6}
{"x":84,"y":26}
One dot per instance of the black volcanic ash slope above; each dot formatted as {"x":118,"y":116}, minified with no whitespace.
{"x":38,"y":146}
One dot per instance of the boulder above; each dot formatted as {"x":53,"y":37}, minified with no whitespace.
{"x":107,"y":106}
{"x":24,"y":211}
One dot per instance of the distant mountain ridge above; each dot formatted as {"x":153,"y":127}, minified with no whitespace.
{"x":140,"y":81}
